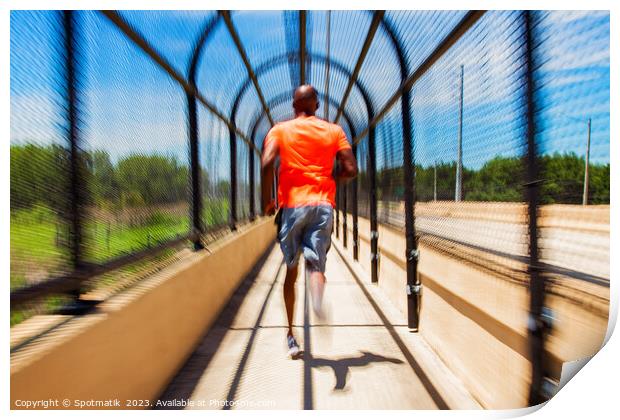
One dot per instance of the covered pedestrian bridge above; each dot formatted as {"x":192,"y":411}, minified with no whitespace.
{"x":460,"y":277}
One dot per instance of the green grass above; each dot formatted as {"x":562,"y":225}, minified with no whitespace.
{"x":34,"y":245}
{"x":37,"y":237}
{"x":215,"y":212}
{"x":39,"y":249}
{"x":109,"y":241}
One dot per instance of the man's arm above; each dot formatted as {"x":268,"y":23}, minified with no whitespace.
{"x":267,"y":160}
{"x":347,"y":165}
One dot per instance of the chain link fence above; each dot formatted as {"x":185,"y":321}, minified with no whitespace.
{"x":104,"y":188}
{"x":469,"y":118}
{"x":507,"y":117}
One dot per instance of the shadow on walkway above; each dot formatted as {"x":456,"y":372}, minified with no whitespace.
{"x":183,"y":384}
{"x":341,"y":367}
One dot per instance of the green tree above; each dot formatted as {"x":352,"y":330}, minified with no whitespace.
{"x":499,"y":179}
{"x":562,"y":176}
{"x":446,"y":180}
{"x":599,"y":184}
{"x":102,"y":179}
{"x":39,"y":175}
{"x":157,"y":179}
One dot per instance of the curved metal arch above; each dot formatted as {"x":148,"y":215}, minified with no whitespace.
{"x":208,"y":30}
{"x":283,"y":97}
{"x":370,"y":36}
{"x":398,"y":47}
{"x":291,"y":56}
{"x":192,"y":125}
{"x":232,"y":30}
{"x":205,"y":35}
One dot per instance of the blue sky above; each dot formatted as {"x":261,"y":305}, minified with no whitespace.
{"x":130,"y":106}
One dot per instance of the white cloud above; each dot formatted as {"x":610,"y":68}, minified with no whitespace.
{"x":569,"y":16}
{"x":35,"y":118}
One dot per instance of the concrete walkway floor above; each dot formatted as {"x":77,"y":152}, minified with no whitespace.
{"x":361,"y":356}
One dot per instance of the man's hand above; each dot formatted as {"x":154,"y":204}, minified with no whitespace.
{"x":270,"y":208}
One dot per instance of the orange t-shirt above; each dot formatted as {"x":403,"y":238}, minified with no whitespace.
{"x":307,"y":148}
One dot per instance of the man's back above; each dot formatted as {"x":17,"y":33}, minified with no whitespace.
{"x":307,"y":148}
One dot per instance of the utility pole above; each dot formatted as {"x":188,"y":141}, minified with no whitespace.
{"x":458,"y":190}
{"x":435,"y":182}
{"x":586,"y":174}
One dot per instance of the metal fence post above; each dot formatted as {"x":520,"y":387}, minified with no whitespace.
{"x":344,"y":215}
{"x":251,"y":182}
{"x":260,"y":194}
{"x":198,"y":226}
{"x":414,"y":287}
{"x":337,"y":210}
{"x":354,"y":211}
{"x":372,"y":186}
{"x":196,"y":209}
{"x":76,"y":181}
{"x":233,"y":180}
{"x":536,"y":323}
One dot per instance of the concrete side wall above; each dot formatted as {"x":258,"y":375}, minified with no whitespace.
{"x":476,"y":321}
{"x":132,"y":348}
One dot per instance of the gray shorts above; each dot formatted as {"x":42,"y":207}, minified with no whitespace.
{"x":306,"y":229}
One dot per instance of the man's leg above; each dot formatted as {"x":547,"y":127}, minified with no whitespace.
{"x":289,"y":303}
{"x":289,"y":236}
{"x":316,"y":243}
{"x":317,"y":287}
{"x":289,"y":296}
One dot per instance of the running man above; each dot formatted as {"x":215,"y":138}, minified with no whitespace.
{"x":307,"y":147}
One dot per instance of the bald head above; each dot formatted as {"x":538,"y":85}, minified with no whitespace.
{"x":305,"y":100}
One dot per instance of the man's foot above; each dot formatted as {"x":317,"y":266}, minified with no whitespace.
{"x":293,"y":347}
